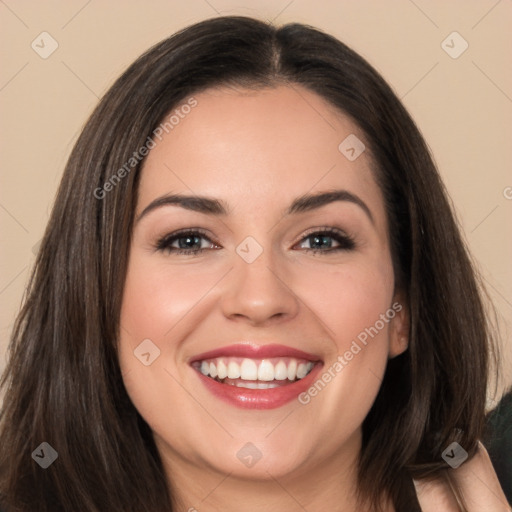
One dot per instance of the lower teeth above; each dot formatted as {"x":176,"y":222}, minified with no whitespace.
{"x":256,"y":385}
{"x":239,"y":383}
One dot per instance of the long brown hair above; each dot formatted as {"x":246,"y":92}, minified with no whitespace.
{"x":63,"y":383}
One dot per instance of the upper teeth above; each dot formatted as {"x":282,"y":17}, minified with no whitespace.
{"x":277,"y":368}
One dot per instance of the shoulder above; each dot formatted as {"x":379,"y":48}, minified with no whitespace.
{"x":478,"y":483}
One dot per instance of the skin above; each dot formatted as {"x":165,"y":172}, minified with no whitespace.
{"x":257,"y":151}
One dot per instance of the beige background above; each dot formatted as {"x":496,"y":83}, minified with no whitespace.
{"x":463,"y":106}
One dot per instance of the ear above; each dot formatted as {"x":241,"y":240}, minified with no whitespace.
{"x":399,"y":326}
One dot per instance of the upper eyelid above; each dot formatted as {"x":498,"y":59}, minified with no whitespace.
{"x":185,"y":231}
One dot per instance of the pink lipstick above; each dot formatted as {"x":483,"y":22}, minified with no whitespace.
{"x":256,"y":376}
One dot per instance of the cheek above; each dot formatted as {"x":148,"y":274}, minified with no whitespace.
{"x":156,"y":298}
{"x":354,"y":304}
{"x":163,"y":305}
{"x":158,"y":304}
{"x":349,"y":298}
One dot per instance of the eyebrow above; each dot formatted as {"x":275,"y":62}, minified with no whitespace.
{"x":211,"y":206}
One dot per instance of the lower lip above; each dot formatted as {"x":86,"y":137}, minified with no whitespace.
{"x":259,"y":398}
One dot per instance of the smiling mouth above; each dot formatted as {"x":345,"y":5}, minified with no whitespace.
{"x":255,"y":373}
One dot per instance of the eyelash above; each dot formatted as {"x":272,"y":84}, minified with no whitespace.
{"x":346,"y":243}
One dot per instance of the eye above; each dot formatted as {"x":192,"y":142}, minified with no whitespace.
{"x":327,"y":240}
{"x":194,"y":241}
{"x":185,"y":242}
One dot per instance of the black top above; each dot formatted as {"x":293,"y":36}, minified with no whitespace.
{"x":499,"y":442}
{"x":408,"y":501}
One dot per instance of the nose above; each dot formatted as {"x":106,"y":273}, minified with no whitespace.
{"x":259,"y":293}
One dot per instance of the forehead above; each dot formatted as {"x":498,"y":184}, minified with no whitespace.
{"x":266,"y":146}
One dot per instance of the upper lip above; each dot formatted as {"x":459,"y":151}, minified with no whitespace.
{"x":255,"y":351}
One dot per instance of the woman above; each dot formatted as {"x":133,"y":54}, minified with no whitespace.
{"x":252,"y":294}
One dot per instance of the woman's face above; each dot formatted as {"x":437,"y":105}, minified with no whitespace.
{"x":215,"y":345}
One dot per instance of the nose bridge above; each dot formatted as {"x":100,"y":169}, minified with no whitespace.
{"x":256,"y":291}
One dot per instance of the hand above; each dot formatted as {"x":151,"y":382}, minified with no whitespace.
{"x":477,"y":482}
